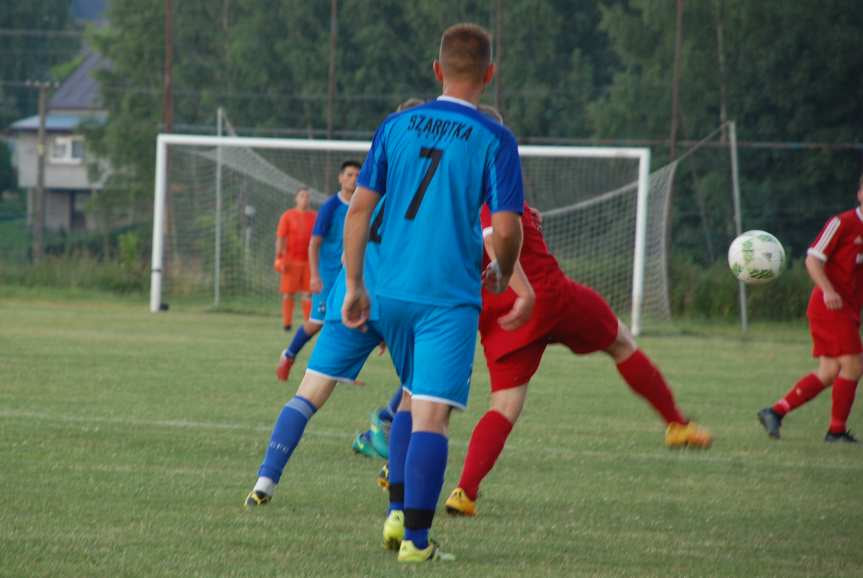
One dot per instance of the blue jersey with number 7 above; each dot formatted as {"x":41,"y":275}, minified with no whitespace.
{"x":437,"y":164}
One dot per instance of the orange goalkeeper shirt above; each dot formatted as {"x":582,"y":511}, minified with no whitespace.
{"x":295,"y":227}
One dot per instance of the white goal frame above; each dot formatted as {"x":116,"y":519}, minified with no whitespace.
{"x":163,"y":141}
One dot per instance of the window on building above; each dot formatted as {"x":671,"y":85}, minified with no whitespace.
{"x":68,"y":150}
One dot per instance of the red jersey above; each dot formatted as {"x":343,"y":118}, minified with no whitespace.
{"x":538,"y":263}
{"x":840,"y":246}
{"x":545,"y":277}
{"x":295,"y":226}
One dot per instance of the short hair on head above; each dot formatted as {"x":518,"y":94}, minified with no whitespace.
{"x":409,"y":103}
{"x":350,"y":163}
{"x":491,"y":111}
{"x":465,"y":51}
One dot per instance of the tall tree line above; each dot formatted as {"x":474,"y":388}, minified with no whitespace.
{"x":569,"y":70}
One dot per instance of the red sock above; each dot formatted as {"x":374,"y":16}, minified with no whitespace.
{"x":287,"y":310}
{"x":647,"y":381}
{"x":485,"y":446}
{"x":843,"y":398}
{"x":808,"y":387}
{"x":307,"y":309}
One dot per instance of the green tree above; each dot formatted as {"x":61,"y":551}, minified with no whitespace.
{"x":30,"y":55}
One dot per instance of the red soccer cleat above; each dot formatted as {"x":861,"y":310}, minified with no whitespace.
{"x":283,"y":369}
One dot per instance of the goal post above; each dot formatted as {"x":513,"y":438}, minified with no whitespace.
{"x":598,"y":206}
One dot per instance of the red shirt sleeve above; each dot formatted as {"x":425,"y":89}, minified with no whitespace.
{"x":827,"y":240}
{"x":485,"y":217}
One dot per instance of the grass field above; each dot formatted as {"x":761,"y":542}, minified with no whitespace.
{"x":128,"y":442}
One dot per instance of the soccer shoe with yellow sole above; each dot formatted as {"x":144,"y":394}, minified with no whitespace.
{"x":283,"y":369}
{"x":394,"y":530}
{"x":383,"y":478}
{"x":410,"y":553}
{"x":257,"y":498}
{"x":458,"y":504}
{"x":689,"y":435}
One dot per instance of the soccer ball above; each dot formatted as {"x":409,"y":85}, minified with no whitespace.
{"x":756,"y":257}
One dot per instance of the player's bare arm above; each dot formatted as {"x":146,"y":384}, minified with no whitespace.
{"x":522,"y":309}
{"x":815,"y":267}
{"x":315,"y":283}
{"x":506,"y":241}
{"x":356,"y":306}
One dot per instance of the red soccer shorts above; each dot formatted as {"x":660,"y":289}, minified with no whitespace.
{"x":834,"y":336}
{"x":578,"y":317}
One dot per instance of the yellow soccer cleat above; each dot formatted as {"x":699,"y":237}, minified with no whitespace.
{"x":458,"y":504}
{"x":257,"y":498}
{"x":410,"y":553}
{"x":394,"y":530}
{"x":383,"y":478}
{"x":690,"y":435}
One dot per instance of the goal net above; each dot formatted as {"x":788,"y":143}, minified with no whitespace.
{"x":218,"y":201}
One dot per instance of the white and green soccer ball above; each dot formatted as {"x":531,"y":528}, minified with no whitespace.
{"x":756,"y":257}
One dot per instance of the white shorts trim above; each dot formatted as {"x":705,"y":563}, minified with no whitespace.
{"x":436,"y":399}
{"x":333,"y":377}
{"x":315,"y":321}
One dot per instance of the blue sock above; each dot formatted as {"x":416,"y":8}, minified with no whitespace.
{"x":297,"y":343}
{"x":425,"y":465}
{"x":389,"y":412}
{"x":286,"y":435}
{"x":400,"y":436}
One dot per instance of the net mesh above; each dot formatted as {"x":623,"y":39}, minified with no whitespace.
{"x":588,"y":205}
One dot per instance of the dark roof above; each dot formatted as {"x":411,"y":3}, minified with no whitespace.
{"x":80,"y":91}
{"x":54,"y":122}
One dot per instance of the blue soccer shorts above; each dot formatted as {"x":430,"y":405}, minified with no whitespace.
{"x":340,"y":353}
{"x":432,"y":348}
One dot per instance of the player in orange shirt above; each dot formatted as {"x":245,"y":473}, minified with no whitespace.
{"x":292,"y":255}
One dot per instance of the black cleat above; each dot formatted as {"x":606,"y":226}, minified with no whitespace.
{"x":841,"y":437}
{"x":771,"y":421}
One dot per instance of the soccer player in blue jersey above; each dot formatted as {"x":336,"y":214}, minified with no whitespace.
{"x":436,"y":164}
{"x":325,"y":262}
{"x":338,"y":356}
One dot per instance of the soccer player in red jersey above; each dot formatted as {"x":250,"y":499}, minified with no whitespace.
{"x":564,"y":312}
{"x":292,"y":255}
{"x":835,"y":264}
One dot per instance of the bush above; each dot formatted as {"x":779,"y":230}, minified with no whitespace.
{"x":712,"y":293}
{"x":75,"y":271}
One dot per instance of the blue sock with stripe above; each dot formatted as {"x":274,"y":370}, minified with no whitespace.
{"x":425,"y":465}
{"x":287,"y":432}
{"x":389,"y":412}
{"x":400,"y":436}
{"x":297,"y":343}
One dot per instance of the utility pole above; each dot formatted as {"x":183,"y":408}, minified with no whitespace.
{"x":331,"y":88}
{"x":39,"y":201}
{"x":168,"y":72}
{"x":498,"y":54}
{"x":675,"y":83}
